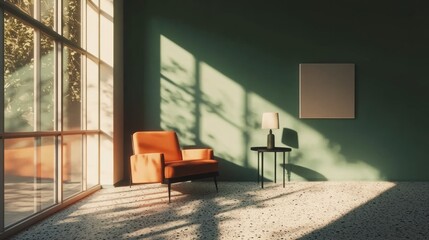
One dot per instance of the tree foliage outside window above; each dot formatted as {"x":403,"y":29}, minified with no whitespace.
{"x":72,"y":31}
{"x":25,"y":5}
{"x":18,"y":74}
{"x":19,"y":44}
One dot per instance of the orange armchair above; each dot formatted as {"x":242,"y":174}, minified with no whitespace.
{"x":157,"y":158}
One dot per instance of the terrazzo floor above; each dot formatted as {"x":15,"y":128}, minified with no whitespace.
{"x":242,"y":210}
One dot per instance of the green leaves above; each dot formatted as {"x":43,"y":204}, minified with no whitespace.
{"x":19,"y":45}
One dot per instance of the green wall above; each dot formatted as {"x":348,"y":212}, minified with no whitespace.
{"x":208,"y":69}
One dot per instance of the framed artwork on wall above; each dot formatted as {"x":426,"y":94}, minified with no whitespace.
{"x":327,"y":90}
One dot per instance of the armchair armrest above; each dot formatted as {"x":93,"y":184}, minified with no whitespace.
{"x":147,"y":168}
{"x":197,"y":153}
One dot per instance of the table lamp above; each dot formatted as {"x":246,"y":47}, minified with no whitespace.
{"x":270,"y":120}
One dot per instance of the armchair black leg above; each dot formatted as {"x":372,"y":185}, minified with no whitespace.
{"x":131,"y":179}
{"x":216,"y":184}
{"x":169,"y":192}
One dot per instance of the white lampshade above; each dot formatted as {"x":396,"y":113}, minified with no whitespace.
{"x":270,"y":120}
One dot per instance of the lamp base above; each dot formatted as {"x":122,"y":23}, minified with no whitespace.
{"x":270,"y":140}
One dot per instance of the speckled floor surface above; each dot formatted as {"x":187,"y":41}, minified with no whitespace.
{"x":242,"y":210}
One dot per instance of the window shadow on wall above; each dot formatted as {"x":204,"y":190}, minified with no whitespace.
{"x":208,"y":102}
{"x":205,"y":108}
{"x":212,"y":88}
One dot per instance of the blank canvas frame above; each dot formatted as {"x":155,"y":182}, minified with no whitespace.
{"x":327,"y":90}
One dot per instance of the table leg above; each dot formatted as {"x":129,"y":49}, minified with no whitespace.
{"x":258,"y":169}
{"x":275,"y":167}
{"x":262,"y":168}
{"x":288,"y":170}
{"x":284,"y":166}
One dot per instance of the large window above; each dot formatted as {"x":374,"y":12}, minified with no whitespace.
{"x":50,"y":126}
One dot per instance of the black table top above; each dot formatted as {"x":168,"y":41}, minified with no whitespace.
{"x":275,"y":149}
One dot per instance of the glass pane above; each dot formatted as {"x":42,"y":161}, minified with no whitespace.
{"x":92,"y":160}
{"x":47,"y":12}
{"x":72,"y":20}
{"x":92,"y":95}
{"x":72,"y":165}
{"x":93,"y":2}
{"x":72,"y":89}
{"x":92,"y":29}
{"x":106,"y":99}
{"x":106,"y":32}
{"x":25,"y":5}
{"x":46,"y":164}
{"x":47,"y":86}
{"x":29,"y":177}
{"x":18,"y":75}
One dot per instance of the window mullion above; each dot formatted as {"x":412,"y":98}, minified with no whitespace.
{"x":37,"y":109}
{"x":37,"y":71}
{"x":58,"y":119}
{"x":58,"y":103}
{"x":2,"y":205}
{"x":2,"y":76}
{"x":84,"y":96}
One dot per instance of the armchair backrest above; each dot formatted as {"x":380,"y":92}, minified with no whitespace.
{"x":165,"y":142}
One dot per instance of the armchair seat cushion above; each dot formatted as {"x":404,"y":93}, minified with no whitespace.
{"x":189,"y":167}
